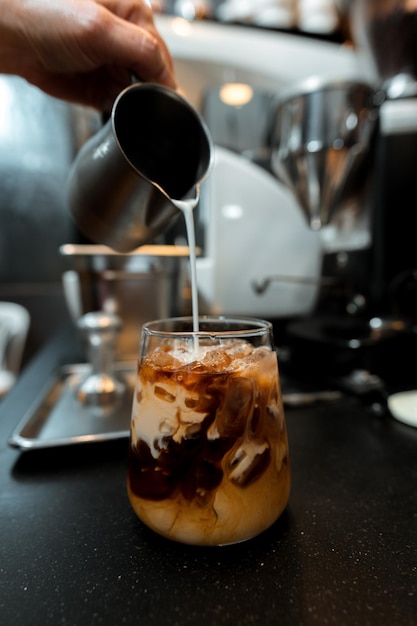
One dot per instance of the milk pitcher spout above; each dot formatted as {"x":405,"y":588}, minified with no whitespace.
{"x":125,"y":183}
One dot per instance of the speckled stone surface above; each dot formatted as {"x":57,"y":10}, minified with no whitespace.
{"x":345,"y":551}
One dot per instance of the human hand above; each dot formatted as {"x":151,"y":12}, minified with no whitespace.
{"x":84,"y":51}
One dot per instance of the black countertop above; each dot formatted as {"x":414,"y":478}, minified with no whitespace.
{"x":73,"y":553}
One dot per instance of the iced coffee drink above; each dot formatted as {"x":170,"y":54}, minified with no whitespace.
{"x":208,"y":458}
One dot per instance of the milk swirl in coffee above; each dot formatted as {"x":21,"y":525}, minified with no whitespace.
{"x":208,"y":458}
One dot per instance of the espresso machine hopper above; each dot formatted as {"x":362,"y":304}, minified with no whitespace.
{"x":321,"y":144}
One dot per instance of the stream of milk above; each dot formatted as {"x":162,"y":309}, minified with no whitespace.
{"x":187,"y":206}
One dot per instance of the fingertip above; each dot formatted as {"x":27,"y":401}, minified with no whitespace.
{"x":168,"y":80}
{"x":165,"y":77}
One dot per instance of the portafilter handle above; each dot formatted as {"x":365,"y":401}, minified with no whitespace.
{"x":101,"y":386}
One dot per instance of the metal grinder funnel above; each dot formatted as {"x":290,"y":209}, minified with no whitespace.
{"x":321,"y":138}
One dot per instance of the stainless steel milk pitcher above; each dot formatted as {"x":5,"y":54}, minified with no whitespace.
{"x":154,"y":150}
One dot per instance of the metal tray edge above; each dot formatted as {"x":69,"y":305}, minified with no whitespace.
{"x":16,"y":440}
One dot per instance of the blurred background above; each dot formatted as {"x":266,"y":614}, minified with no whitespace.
{"x":308,"y":215}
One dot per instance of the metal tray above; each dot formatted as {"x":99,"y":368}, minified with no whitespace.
{"x":57,"y":418}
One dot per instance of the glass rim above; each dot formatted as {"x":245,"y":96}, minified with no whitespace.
{"x":249,"y":326}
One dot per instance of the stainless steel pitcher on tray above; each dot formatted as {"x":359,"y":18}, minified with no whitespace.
{"x":124,"y":183}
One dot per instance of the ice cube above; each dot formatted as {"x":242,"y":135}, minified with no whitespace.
{"x":163,"y":393}
{"x":248,"y":462}
{"x":233,"y":415}
{"x":239,"y":349}
{"x":160,"y":359}
{"x":217,"y":361}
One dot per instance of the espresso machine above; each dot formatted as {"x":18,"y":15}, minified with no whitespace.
{"x":348,"y":152}
{"x":386,"y":31}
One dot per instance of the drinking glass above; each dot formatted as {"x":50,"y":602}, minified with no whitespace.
{"x":208,"y":455}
